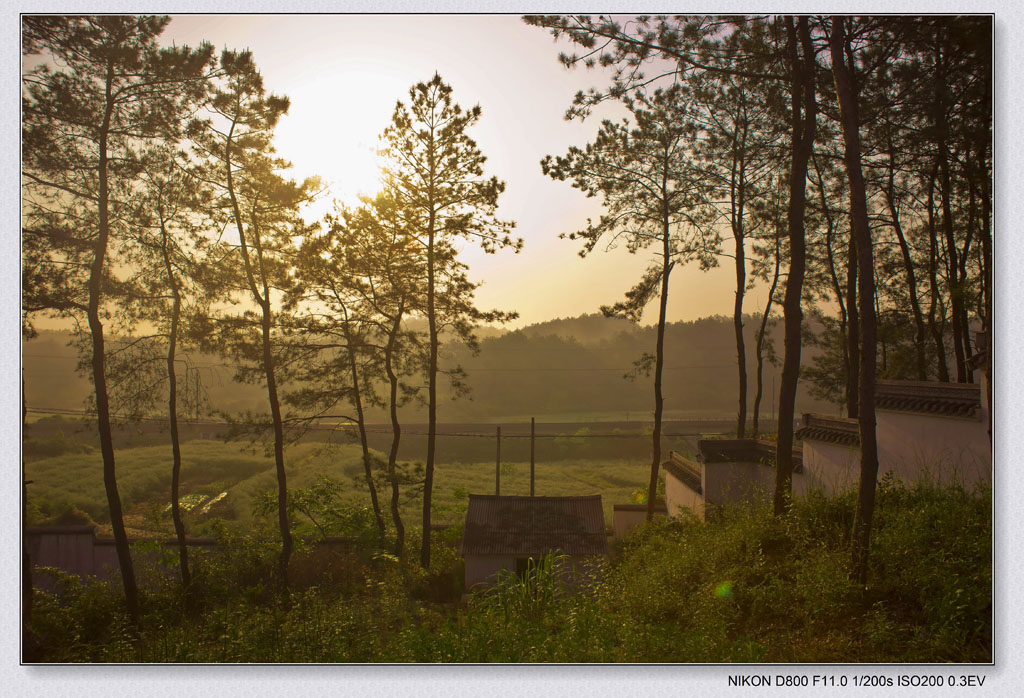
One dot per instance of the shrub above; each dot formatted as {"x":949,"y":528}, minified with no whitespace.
{"x":747,"y":587}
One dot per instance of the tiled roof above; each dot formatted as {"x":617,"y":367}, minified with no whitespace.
{"x":507,"y":525}
{"x":837,"y":430}
{"x":929,"y":397}
{"x":683,"y":470}
{"x":744,"y":451}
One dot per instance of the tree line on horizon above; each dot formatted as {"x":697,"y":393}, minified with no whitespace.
{"x":572,"y":366}
{"x":847,"y":158}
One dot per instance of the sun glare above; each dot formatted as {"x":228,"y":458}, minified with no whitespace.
{"x":332,"y":130}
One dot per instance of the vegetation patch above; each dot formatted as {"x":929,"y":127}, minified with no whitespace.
{"x":747,"y":587}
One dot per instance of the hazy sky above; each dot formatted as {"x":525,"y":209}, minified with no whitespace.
{"x":344,"y":73}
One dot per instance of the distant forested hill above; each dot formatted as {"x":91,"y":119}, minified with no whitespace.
{"x":564,"y":367}
{"x":579,"y":365}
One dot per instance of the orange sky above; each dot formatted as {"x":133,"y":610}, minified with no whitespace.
{"x":344,"y":73}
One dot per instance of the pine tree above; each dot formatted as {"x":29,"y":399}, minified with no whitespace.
{"x":434,"y":172}
{"x":103,"y":93}
{"x":645,"y":176}
{"x":262,"y":209}
{"x":361,"y":279}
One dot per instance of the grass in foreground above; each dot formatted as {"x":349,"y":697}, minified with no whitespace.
{"x":747,"y":587}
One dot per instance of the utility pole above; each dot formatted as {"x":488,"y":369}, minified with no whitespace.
{"x":532,"y":438}
{"x":497,"y":467}
{"x":197,"y":395}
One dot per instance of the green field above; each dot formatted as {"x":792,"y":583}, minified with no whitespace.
{"x":244,"y":473}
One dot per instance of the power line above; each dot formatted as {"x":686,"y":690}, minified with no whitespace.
{"x":351,"y":428}
{"x":524,"y":369}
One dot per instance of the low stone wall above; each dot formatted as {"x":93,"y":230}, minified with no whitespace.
{"x":78,"y":550}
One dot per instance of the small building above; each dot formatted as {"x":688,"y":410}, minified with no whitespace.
{"x":506,"y":532}
{"x":726,"y":471}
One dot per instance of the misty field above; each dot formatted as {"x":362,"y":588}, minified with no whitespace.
{"x":244,"y":472}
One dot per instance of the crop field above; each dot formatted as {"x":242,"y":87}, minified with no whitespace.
{"x":223,"y":480}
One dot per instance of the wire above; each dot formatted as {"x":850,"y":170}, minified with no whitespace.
{"x":465,"y":369}
{"x":480,"y":435}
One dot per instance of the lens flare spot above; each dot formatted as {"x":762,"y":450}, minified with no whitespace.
{"x":724,"y":590}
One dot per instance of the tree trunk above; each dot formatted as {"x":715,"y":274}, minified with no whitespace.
{"x":428,"y":481}
{"x":964,"y":255}
{"x":880,"y":336}
{"x":659,"y":364}
{"x":865,"y":259}
{"x":804,"y":115}
{"x":396,"y":431}
{"x":263,"y":300}
{"x":357,"y":400}
{"x":908,"y":266}
{"x":737,"y":191}
{"x":275,"y":415}
{"x":760,"y":339}
{"x":986,"y":276}
{"x":945,"y":189}
{"x":172,"y":413}
{"x":853,"y":338}
{"x":99,"y":376}
{"x":27,"y":589}
{"x":849,"y":394}
{"x":933,"y":282}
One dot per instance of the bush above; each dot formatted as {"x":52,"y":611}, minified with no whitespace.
{"x":61,"y":514}
{"x":56,"y":445}
{"x":747,"y":587}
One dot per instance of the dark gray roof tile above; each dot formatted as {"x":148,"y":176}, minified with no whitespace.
{"x":837,"y":430}
{"x":513,"y":525}
{"x":929,"y":397}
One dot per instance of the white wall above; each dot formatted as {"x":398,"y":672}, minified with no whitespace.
{"x":679,"y":498}
{"x":913,"y":447}
{"x":728,"y":483}
{"x":944,"y":450}
{"x":829,"y":467}
{"x":624,"y":519}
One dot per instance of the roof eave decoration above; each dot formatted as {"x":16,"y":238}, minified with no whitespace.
{"x":929,"y":397}
{"x":683,"y":470}
{"x":836,"y":430}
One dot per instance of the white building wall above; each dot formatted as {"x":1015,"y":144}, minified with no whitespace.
{"x":730,"y":483}
{"x":943,"y":450}
{"x":829,"y":467}
{"x":680,"y":498}
{"x":624,"y":519}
